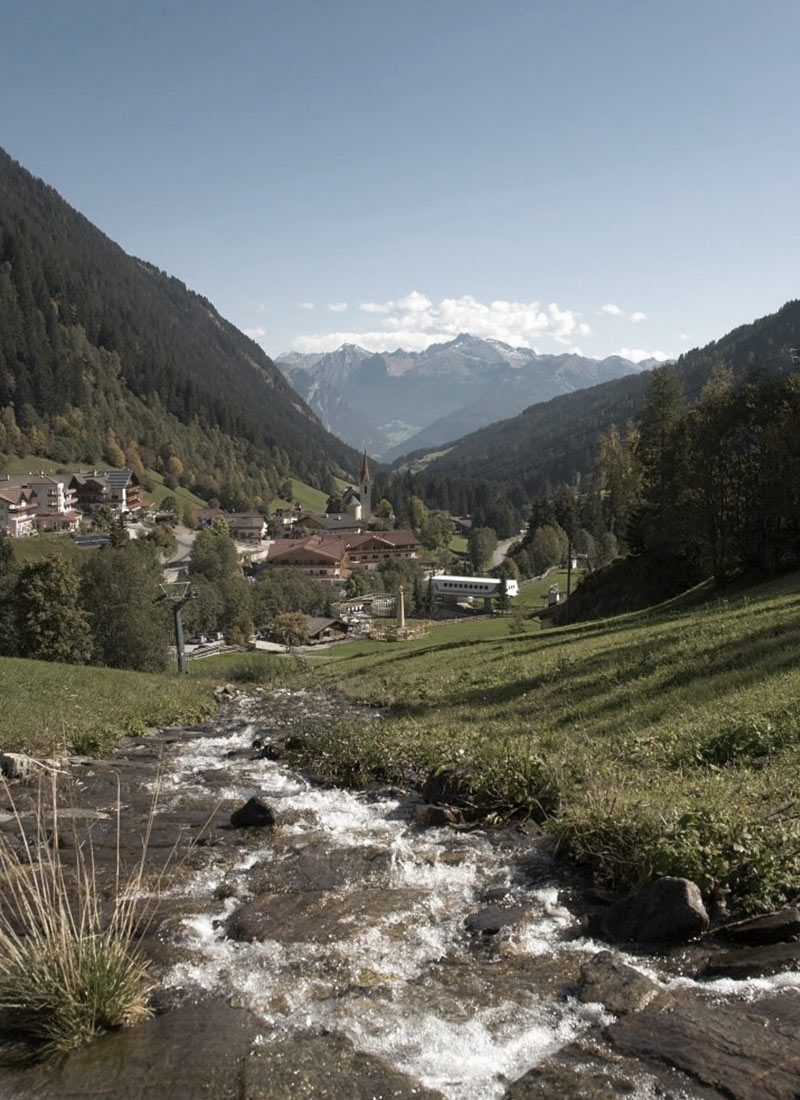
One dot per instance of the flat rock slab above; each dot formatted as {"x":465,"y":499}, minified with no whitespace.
{"x":212,"y":1050}
{"x":319,"y":916}
{"x":588,"y":1070}
{"x":777,"y":927}
{"x":746,"y":1051}
{"x":754,"y":962}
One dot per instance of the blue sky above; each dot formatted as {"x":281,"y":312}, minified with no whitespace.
{"x":618,"y":176}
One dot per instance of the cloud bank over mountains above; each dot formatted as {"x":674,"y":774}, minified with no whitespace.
{"x":414,"y":322}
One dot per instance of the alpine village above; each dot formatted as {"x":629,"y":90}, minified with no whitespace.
{"x":469,"y":770}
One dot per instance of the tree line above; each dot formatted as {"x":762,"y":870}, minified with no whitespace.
{"x":113,"y":608}
{"x":690,"y":490}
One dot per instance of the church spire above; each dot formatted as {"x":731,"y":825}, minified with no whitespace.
{"x":365,"y":489}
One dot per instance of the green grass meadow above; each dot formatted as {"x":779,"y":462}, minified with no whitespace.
{"x":656,"y":743}
{"x":48,"y":709}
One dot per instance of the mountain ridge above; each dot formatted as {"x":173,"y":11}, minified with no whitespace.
{"x":407,"y":400}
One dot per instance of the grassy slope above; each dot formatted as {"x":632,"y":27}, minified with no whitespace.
{"x":182,"y":495}
{"x":314,"y":500}
{"x":651,"y":744}
{"x":48,"y":707}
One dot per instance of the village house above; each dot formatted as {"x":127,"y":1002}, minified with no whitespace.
{"x":117,"y":490}
{"x":319,"y":629}
{"x":334,"y":558}
{"x":310,"y":524}
{"x":243,"y":526}
{"x":51,"y":502}
{"x":16,"y":512}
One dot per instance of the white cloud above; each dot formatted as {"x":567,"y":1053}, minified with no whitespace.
{"x":611,"y":310}
{"x":637,"y":317}
{"x":255,"y":333}
{"x":306,"y":305}
{"x":337,"y":307}
{"x":415,"y":322}
{"x":636,"y":355}
{"x":684,"y":336}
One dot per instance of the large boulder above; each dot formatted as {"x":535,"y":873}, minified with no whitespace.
{"x":669,"y":910}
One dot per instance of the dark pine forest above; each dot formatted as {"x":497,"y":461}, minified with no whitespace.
{"x":106,"y":359}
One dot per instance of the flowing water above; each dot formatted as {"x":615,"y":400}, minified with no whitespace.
{"x":349,"y":919}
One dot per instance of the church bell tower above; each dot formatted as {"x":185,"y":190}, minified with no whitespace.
{"x":365,"y":490}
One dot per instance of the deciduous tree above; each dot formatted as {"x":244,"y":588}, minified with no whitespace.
{"x":52,"y":625}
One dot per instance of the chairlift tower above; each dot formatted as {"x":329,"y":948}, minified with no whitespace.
{"x":177,"y":594}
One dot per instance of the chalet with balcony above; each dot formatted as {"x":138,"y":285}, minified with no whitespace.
{"x":16,"y":512}
{"x":118,"y":490}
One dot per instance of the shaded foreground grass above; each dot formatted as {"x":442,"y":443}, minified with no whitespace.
{"x":661,"y":743}
{"x":47,"y":708}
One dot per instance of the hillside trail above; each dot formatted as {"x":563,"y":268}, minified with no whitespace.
{"x":348,"y":952}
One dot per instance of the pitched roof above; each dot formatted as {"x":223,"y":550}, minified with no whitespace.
{"x":315,"y":624}
{"x":315,"y":545}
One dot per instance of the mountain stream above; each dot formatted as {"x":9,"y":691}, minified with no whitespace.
{"x":451,"y":956}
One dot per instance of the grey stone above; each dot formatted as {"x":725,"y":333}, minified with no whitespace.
{"x":754,"y":962}
{"x":746,"y":1051}
{"x":776,"y":927}
{"x":431,"y":817}
{"x":669,"y":910}
{"x":617,"y":986}
{"x":213,"y":1050}
{"x":492,"y":919}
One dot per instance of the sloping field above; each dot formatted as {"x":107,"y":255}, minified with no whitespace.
{"x":48,"y":708}
{"x":658,"y":743}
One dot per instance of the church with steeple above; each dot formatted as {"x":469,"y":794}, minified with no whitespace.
{"x":358,"y":502}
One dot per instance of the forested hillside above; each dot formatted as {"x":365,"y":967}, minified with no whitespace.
{"x":549,"y":443}
{"x":105,"y":359}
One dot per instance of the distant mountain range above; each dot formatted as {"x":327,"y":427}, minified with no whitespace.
{"x":400,"y":401}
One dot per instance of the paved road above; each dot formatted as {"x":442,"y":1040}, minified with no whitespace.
{"x":502,"y":549}
{"x":185,"y":539}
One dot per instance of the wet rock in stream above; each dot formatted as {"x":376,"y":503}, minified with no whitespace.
{"x":213,"y":1050}
{"x":746,"y":1051}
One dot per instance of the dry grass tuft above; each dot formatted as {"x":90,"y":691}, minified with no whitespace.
{"x":69,"y":967}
